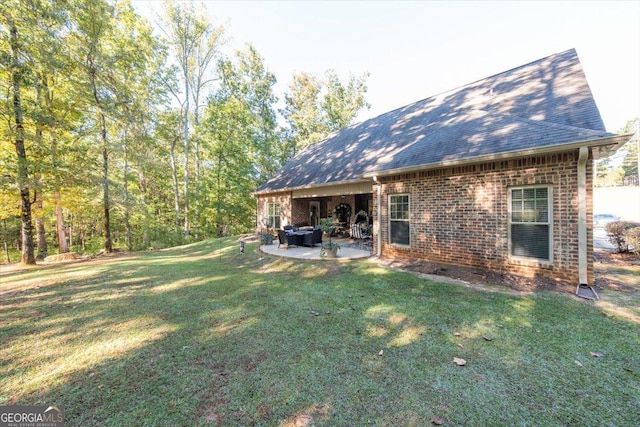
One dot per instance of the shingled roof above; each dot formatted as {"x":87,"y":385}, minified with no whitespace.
{"x":542,"y":106}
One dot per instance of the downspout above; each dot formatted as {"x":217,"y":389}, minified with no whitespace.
{"x":582,"y":219}
{"x":378,"y":217}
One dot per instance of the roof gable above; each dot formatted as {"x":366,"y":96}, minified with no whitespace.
{"x":542,"y":104}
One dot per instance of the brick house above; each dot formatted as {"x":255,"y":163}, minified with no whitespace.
{"x":495,"y":174}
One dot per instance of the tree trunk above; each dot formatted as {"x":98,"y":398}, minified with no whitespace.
{"x":28,"y":256}
{"x":125,"y":191}
{"x":176,"y":188}
{"x":196,"y":140}
{"x":108,"y":246}
{"x":185,"y":138}
{"x":6,"y":238}
{"x":142,"y":184}
{"x":42,"y":235}
{"x":40,"y":229}
{"x":70,"y":231}
{"x":63,"y":248}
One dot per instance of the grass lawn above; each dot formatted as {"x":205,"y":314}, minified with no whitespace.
{"x":204,"y":335}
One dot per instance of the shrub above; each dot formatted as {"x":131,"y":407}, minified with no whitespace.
{"x":266,"y":239}
{"x":617,"y":233}
{"x":633,"y":239}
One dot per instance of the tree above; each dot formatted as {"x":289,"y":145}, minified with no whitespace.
{"x":316,"y":106}
{"x":17,"y":60}
{"x":241,"y":141}
{"x":630,"y":160}
{"x":250,"y":82}
{"x":195,"y":42}
{"x":341,"y":102}
{"x":303,"y":112}
{"x":168,"y":129}
{"x":621,"y":167}
{"x":94,"y":20}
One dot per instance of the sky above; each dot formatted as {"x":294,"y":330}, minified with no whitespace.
{"x":417,"y":49}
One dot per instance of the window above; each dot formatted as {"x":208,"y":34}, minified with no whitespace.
{"x":273,"y":215}
{"x":530,"y":222}
{"x":399,"y":219}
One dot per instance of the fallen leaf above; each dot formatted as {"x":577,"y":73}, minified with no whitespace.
{"x":459,"y":362}
{"x":596,"y":354}
{"x":487,"y":338}
{"x":578,"y":362}
{"x":437,"y":421}
{"x":460,"y":345}
{"x":381,"y":353}
{"x":456,"y":334}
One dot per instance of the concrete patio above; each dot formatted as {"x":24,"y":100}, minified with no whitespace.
{"x":348,"y":250}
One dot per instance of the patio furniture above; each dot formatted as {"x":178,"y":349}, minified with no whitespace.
{"x":358,"y":233}
{"x":287,"y":240}
{"x":313,"y":238}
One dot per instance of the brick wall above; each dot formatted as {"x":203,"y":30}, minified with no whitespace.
{"x":284,"y":199}
{"x":459,"y":214}
{"x":337,"y":200}
{"x":300,"y":212}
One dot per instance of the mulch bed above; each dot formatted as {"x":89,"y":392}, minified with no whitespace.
{"x":479,"y":276}
{"x":603,"y":261}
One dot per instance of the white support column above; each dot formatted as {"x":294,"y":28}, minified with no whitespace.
{"x":378,"y":217}
{"x":582,"y":215}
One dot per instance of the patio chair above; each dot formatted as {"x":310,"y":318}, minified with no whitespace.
{"x":359,"y":233}
{"x":287,"y":240}
{"x":312,"y":239}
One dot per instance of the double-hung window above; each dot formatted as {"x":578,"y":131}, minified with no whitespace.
{"x":530,"y":222}
{"x":399,"y":219}
{"x":273,"y":215}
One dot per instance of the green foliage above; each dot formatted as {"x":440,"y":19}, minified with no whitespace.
{"x":317,"y":106}
{"x":95,"y":87}
{"x":266,"y":239}
{"x":342,"y":102}
{"x":617,"y":234}
{"x":632,"y":237}
{"x":328,"y":227}
{"x":630,"y":149}
{"x":621,"y":167}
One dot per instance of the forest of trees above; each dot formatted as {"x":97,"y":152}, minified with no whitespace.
{"x":114,"y":135}
{"x":621,"y":167}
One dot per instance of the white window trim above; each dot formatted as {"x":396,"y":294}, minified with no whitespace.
{"x":389,"y":221}
{"x":549,"y":223}
{"x":276,"y":214}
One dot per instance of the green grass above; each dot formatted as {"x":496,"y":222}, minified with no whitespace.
{"x":205,"y":335}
